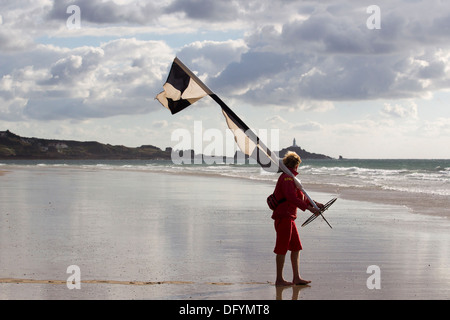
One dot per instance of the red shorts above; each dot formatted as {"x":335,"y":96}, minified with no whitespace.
{"x":287,"y":236}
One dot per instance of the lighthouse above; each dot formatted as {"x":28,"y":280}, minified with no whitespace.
{"x":294,"y":144}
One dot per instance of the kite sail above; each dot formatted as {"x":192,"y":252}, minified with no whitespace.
{"x":180,"y":90}
{"x":183,"y":88}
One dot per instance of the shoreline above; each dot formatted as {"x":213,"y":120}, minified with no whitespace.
{"x":415,"y":203}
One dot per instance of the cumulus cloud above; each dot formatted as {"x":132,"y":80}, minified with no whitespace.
{"x":295,"y":54}
{"x":107,"y":12}
{"x":119,"y":77}
{"x":218,"y":10}
{"x":332,"y":55}
{"x":11,"y":40}
{"x":212,"y":57}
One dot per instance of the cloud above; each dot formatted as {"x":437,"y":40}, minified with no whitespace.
{"x":253,"y":71}
{"x":331,"y":55}
{"x":276,"y":120}
{"x":439,"y":128}
{"x":308,"y":126}
{"x":11,"y":40}
{"x":398,"y":111}
{"x":160,"y":124}
{"x":212,"y":57}
{"x":295,"y":54}
{"x":118,"y":77}
{"x":107,"y":12}
{"x":218,"y":10}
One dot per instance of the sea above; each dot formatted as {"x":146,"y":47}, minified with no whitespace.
{"x":412,"y":176}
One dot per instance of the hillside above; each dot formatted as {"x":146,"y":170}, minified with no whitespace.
{"x":13,"y":146}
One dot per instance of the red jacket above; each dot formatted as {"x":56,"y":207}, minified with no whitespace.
{"x":287,"y":189}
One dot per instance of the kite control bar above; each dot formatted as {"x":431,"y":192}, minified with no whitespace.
{"x":314,"y":216}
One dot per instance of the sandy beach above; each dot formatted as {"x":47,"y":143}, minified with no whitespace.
{"x":149,"y":235}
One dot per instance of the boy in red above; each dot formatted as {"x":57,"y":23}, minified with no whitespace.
{"x":284,"y":216}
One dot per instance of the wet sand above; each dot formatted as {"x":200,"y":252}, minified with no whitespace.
{"x":147,"y":235}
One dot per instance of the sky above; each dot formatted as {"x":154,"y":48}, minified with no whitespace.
{"x":361,"y":79}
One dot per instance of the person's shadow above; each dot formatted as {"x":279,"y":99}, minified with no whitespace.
{"x":295,"y":291}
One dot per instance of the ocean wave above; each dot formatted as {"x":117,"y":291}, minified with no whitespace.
{"x":363,"y":173}
{"x":438,"y":192}
{"x":430,"y":179}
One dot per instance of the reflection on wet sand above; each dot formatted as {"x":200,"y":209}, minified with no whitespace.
{"x":295,"y":291}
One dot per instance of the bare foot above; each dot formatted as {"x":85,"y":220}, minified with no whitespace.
{"x":283,"y":283}
{"x":300,"y":281}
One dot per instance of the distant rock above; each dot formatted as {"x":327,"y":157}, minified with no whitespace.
{"x":301,"y":152}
